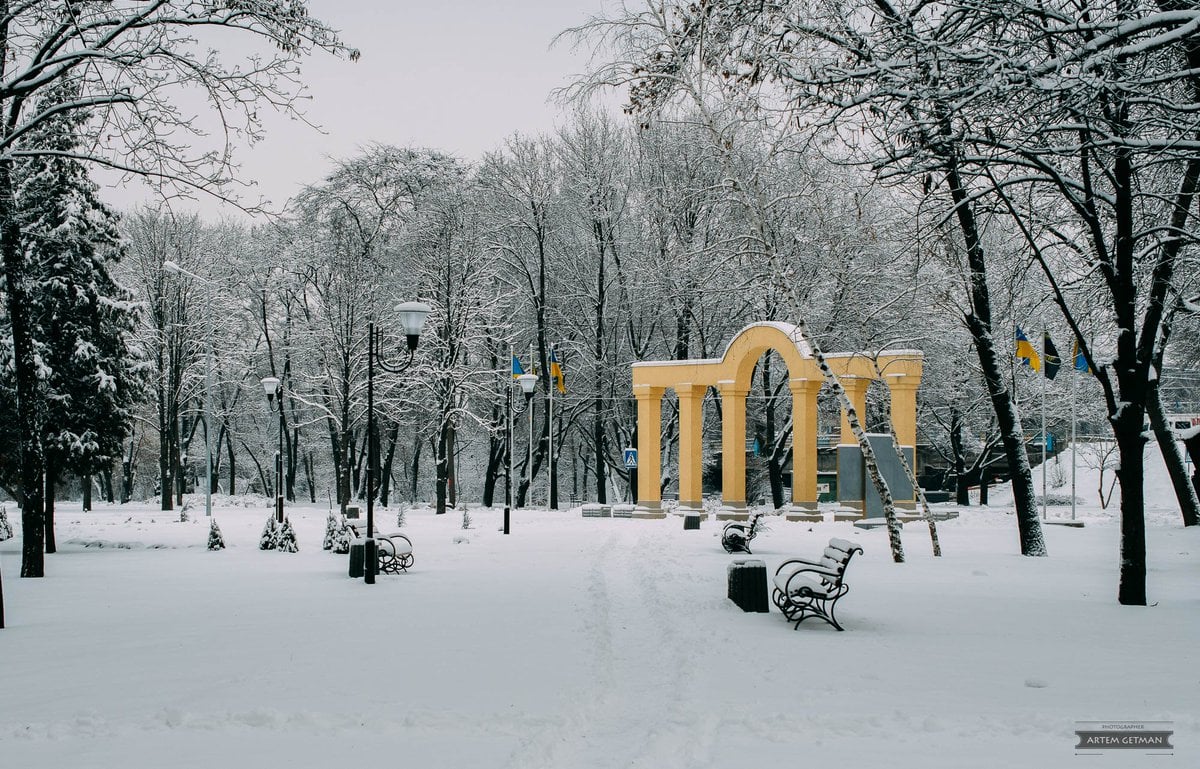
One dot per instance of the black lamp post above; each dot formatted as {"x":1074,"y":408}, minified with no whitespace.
{"x":412,"y":319}
{"x":528,"y":382}
{"x":274,"y":389}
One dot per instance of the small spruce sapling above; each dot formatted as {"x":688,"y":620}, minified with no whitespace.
{"x":215,"y":540}
{"x":342,"y":537}
{"x":6,"y":531}
{"x":400,"y":516}
{"x":466,"y":523}
{"x":286,"y":541}
{"x":270,"y":534}
{"x":332,"y":527}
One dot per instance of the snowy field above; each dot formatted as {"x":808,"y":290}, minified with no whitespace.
{"x":585,"y":643}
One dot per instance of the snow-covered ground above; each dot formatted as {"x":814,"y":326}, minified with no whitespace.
{"x":581,"y":643}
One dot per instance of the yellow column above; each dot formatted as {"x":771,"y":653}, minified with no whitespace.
{"x":691,"y":427}
{"x":733,"y":450}
{"x":804,"y":448}
{"x":649,"y":406}
{"x":904,"y":407}
{"x":904,"y":423}
{"x":856,"y":391}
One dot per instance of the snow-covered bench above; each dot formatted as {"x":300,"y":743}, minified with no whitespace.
{"x":805,"y":588}
{"x":736,"y":535}
{"x":394,"y":551}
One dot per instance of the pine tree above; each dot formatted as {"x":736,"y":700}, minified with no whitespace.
{"x":82,"y":321}
{"x":270,"y":534}
{"x":215,"y":540}
{"x":286,"y":541}
{"x":6,"y":531}
{"x":332,"y":526}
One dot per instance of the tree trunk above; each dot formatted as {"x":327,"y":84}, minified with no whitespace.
{"x":441,"y":468}
{"x":385,"y":480}
{"x":495,"y":468}
{"x":598,"y":467}
{"x":1193,"y":447}
{"x":979,"y":323}
{"x":416,"y":466}
{"x":1171,"y":455}
{"x":309,"y":476}
{"x":25,"y":375}
{"x":127,"y":472}
{"x":51,"y":475}
{"x":85,"y":486}
{"x":1127,"y":426}
{"x":229,"y":454}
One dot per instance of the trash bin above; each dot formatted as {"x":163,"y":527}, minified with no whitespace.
{"x":358,"y":550}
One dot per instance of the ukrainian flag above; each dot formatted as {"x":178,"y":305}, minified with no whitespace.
{"x":556,"y":372}
{"x":1026,"y":352}
{"x":1081,"y":363}
{"x":517,"y":369}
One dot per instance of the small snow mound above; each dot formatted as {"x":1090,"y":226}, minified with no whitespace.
{"x":1035,"y":683}
{"x":979,"y":573}
{"x":462,"y":540}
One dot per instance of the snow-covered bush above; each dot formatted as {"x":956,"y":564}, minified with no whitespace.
{"x":6,"y":531}
{"x":332,"y":527}
{"x":400,"y":516}
{"x":341,"y":539}
{"x":286,"y":541}
{"x":270,"y":534}
{"x":215,"y":540}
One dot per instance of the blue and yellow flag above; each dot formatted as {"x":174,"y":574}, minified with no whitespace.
{"x":517,"y":369}
{"x":1026,"y":352}
{"x":556,"y":372}
{"x":1081,"y":363}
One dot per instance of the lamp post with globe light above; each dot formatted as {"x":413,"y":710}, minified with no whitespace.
{"x":412,"y":320}
{"x":528,"y":383}
{"x":274,"y":390}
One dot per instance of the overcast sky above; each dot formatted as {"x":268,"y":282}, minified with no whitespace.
{"x":456,"y":75}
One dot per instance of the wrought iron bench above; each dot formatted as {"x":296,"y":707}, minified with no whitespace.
{"x":805,"y":588}
{"x":736,"y":535}
{"x":394,"y":552}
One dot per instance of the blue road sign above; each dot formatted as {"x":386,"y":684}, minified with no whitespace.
{"x":630,"y":459}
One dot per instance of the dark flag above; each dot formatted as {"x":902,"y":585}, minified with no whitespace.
{"x":1050,"y":356}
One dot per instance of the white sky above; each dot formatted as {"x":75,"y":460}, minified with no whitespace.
{"x":455,"y":75}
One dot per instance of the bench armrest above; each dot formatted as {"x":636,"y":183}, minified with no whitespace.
{"x":807,"y":566}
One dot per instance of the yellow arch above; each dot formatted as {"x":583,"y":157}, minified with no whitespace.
{"x":731,"y":375}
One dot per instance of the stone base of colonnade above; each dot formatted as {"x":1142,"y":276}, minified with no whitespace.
{"x":733,"y":511}
{"x":802,"y":512}
{"x":649,"y":509}
{"x":693,"y":509}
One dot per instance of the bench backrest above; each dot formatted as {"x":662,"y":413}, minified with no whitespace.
{"x":837,"y":554}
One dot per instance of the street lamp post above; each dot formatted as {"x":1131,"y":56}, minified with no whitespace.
{"x":528,"y":382}
{"x":274,"y":389}
{"x":412,"y":319}
{"x":172,"y":267}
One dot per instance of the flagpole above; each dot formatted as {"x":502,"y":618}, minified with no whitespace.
{"x":1044,"y":377}
{"x":550,"y":433}
{"x":529,"y":492}
{"x":1074,"y":387}
{"x":509,"y":419}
